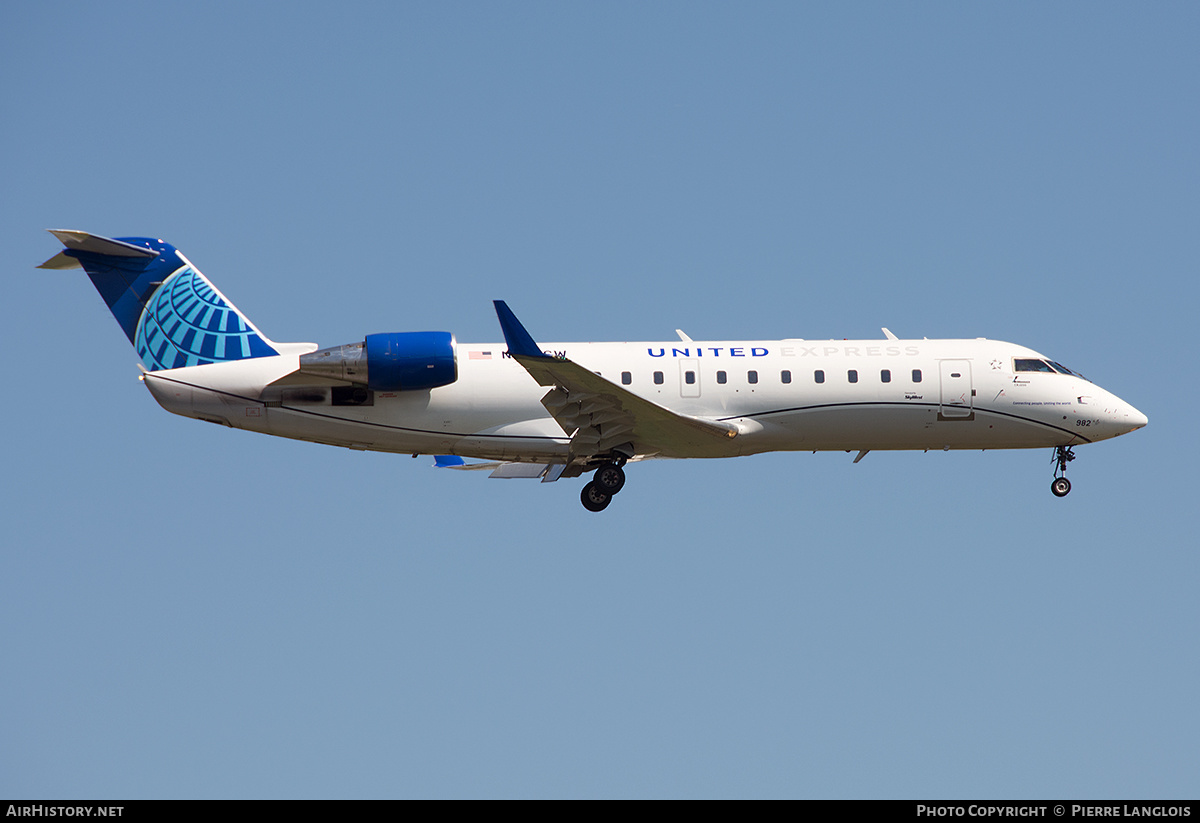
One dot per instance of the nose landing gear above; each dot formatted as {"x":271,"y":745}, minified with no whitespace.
{"x":1060,"y":486}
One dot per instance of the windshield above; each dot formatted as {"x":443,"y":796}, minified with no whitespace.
{"x":1060,"y":367}
{"x":1029,"y":364}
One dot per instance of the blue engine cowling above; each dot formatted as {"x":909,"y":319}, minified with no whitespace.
{"x":401,"y":361}
{"x":397,"y":361}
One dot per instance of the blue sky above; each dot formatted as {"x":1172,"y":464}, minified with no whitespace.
{"x":188,"y":611}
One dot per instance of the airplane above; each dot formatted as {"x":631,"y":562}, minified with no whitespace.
{"x":559,"y":410}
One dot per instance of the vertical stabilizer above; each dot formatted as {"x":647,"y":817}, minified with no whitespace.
{"x":170,"y":312}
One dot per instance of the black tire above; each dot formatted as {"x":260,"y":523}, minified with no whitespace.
{"x":1060,"y":487}
{"x":610,"y":478}
{"x":594,"y":498}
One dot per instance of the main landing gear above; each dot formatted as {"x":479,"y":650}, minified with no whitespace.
{"x":607,"y":481}
{"x":1060,"y":486}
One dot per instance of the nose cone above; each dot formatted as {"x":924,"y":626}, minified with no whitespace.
{"x":1113,"y":416}
{"x":1122,"y":419}
{"x":1134,"y":418}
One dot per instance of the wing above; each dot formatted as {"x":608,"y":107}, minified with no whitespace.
{"x":604,"y":418}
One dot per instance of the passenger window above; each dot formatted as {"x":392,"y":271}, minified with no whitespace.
{"x":885,"y":376}
{"x":689,"y":377}
{"x":658,"y":378}
{"x":752,"y":377}
{"x":852,"y":376}
{"x":916,"y":375}
{"x":626,"y":378}
{"x":785,"y":376}
{"x":721,"y":378}
{"x":819,"y":376}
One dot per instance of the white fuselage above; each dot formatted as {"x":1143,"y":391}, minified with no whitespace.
{"x":781,"y":395}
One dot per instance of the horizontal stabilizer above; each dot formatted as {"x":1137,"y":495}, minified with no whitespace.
{"x":82,"y":241}
{"x":60,"y":261}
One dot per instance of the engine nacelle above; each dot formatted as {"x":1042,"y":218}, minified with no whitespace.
{"x":411,"y":360}
{"x":397,"y":361}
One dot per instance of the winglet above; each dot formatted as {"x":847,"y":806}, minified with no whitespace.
{"x":520,"y":343}
{"x":447,"y":461}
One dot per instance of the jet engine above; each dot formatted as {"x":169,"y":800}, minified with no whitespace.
{"x":398,"y":361}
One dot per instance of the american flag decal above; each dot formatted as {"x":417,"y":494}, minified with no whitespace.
{"x":480,"y":355}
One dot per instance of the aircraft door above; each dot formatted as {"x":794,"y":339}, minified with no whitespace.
{"x":956,"y":390}
{"x":689,"y":378}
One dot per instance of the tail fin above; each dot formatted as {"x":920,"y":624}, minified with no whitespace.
{"x":170,"y":311}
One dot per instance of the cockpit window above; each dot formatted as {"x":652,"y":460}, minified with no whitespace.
{"x":1060,"y":367}
{"x":1021,"y":364}
{"x":1027,"y":364}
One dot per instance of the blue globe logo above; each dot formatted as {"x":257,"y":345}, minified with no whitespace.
{"x":186,"y":322}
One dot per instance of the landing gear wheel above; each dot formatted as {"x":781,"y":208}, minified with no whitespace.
{"x":594,"y":498}
{"x":610,"y":478}
{"x":1061,"y":486}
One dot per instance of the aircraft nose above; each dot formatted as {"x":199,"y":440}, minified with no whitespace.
{"x":1124,"y":418}
{"x":1115,"y":416}
{"x":1135,"y":418}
